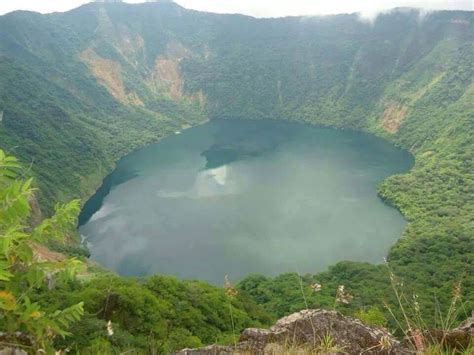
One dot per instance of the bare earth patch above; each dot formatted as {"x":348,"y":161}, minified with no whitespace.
{"x":109,"y":74}
{"x":393,"y":116}
{"x":168,"y":77}
{"x":43,"y":254}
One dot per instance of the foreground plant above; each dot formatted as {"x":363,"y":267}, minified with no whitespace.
{"x":22,"y":273}
{"x":423,"y":338}
{"x":231,"y":292}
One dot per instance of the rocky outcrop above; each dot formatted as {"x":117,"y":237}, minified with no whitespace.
{"x":458,"y":338}
{"x":329,"y":332}
{"x":14,"y":343}
{"x":12,"y":351}
{"x":310,"y":331}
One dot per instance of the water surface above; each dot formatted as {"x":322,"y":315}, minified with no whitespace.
{"x":238,"y":197}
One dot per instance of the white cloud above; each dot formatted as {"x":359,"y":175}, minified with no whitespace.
{"x":261,"y":8}
{"x":277,"y":8}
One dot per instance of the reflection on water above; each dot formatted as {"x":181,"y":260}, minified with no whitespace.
{"x":243,"y":196}
{"x":208,"y":183}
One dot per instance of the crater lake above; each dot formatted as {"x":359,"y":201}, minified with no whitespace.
{"x":237,"y":197}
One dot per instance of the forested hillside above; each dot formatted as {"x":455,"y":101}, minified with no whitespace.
{"x":78,"y":90}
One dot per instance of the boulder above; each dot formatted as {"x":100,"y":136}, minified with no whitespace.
{"x":310,"y":331}
{"x":459,"y":338}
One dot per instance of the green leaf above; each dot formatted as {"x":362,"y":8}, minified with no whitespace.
{"x":5,"y":275}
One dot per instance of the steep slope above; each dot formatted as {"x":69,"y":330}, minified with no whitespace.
{"x":144,"y":67}
{"x":63,"y":103}
{"x":81,"y":89}
{"x":145,"y":64}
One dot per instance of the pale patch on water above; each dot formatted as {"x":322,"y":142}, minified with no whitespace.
{"x":208,"y":183}
{"x":85,"y":242}
{"x":104,"y":211}
{"x":219,"y":174}
{"x":171,"y":194}
{"x":105,"y":224}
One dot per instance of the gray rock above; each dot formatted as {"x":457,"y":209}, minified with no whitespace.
{"x":12,"y":351}
{"x":310,"y":331}
{"x":459,"y":338}
{"x":208,"y":350}
{"x":467,"y":325}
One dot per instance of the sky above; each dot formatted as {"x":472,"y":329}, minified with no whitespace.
{"x":261,"y":8}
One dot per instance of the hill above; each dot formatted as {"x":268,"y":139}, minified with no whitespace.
{"x":78,"y":90}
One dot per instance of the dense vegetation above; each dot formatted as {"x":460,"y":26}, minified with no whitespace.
{"x":78,"y":90}
{"x":159,"y":313}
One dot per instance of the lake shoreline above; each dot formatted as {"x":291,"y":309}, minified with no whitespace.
{"x":84,"y":200}
{"x":354,"y":141}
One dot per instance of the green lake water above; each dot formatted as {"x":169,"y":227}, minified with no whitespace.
{"x":239,"y":197}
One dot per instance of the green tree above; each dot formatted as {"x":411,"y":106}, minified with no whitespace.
{"x":372,"y":316}
{"x":21,"y":272}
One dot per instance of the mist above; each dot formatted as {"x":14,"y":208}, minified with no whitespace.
{"x":367,"y":9}
{"x":262,"y":8}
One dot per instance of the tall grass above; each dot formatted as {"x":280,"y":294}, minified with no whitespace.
{"x":418,"y":334}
